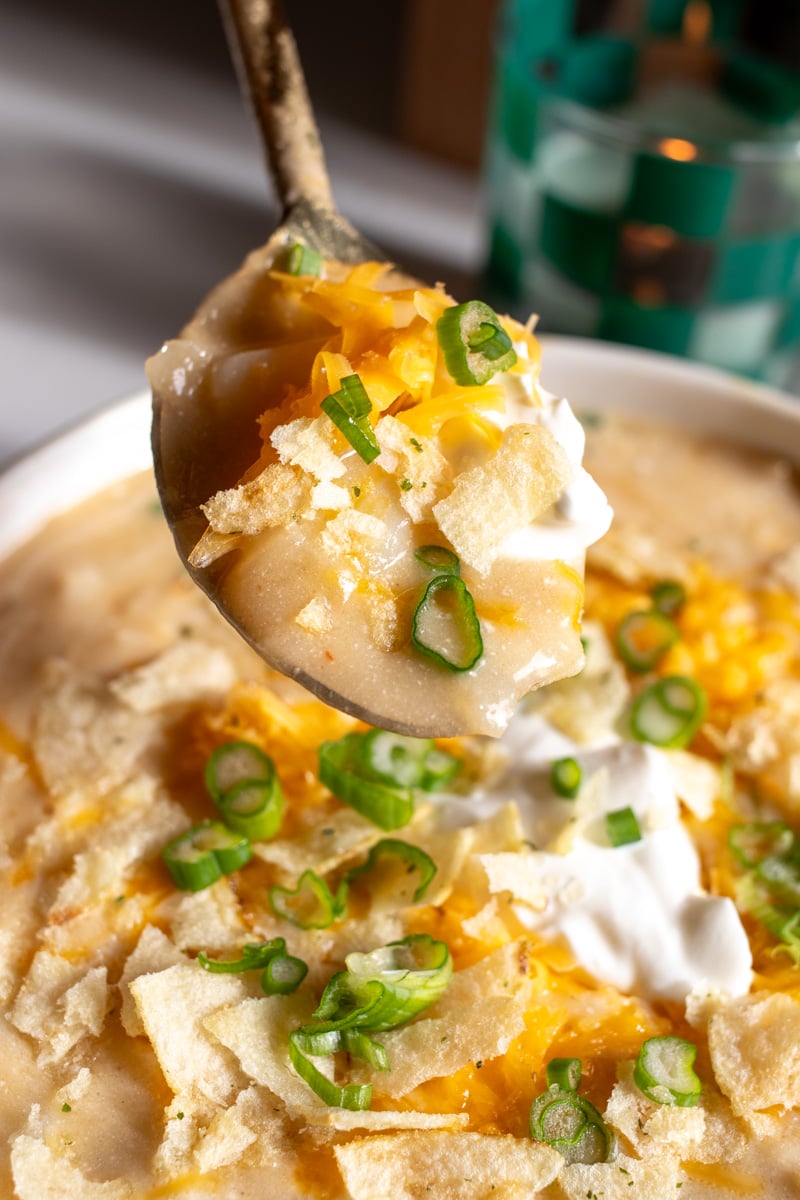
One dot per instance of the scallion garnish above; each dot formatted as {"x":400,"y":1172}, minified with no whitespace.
{"x":474,"y":344}
{"x":341,"y":769}
{"x":200,"y":857}
{"x":254,"y":957}
{"x":566,"y":777}
{"x":567,"y":1121}
{"x":668,"y":596}
{"x":440,"y":559}
{"x":302,"y":260}
{"x":643,"y":638}
{"x":754,"y":841}
{"x":242,"y":782}
{"x":283,"y":975}
{"x":669,"y":712}
{"x":664,"y":1071}
{"x":565,"y":1073}
{"x":311,"y":905}
{"x":412,"y":858}
{"x":395,"y":759}
{"x":348,"y":409}
{"x":445,"y":626}
{"x":622,"y":827}
{"x":378,"y":991}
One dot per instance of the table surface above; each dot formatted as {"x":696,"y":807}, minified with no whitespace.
{"x":130,"y":187}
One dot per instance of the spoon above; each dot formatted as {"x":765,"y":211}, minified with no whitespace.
{"x":206,"y":437}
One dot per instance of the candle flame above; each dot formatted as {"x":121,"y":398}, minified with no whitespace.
{"x":678,"y":148}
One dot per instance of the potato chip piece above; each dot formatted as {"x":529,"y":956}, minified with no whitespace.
{"x":754,"y":1043}
{"x":257,"y":1031}
{"x":84,"y":739}
{"x":154,"y":952}
{"x":186,"y":673}
{"x":278,"y":496}
{"x":448,"y":1166}
{"x":341,"y":836}
{"x":330,"y":497}
{"x":350,"y":533}
{"x":316,"y":616}
{"x":307,"y":443}
{"x":419,"y":467}
{"x":208,"y":920}
{"x":638,"y":557}
{"x":625,"y":1178}
{"x":172,"y":1006}
{"x":652,"y":1128}
{"x":494,"y":992}
{"x":523,"y":479}
{"x":59,"y":1004}
{"x":378,"y":1121}
{"x":212,"y":546}
{"x":225,"y":1138}
{"x":40,"y":1174}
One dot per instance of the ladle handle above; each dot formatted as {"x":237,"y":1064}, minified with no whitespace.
{"x":265,"y":53}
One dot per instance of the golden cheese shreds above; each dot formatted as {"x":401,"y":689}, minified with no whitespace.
{"x":448,"y":1166}
{"x":276,"y":497}
{"x":754,"y":1042}
{"x":524,"y":478}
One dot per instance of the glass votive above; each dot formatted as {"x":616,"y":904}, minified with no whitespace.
{"x":643,"y":176}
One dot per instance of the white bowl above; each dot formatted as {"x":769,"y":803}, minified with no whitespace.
{"x":593,"y":375}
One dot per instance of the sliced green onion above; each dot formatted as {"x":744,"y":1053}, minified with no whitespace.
{"x":254,"y":807}
{"x":754,"y":841}
{"x":235,"y":762}
{"x":411,"y":857}
{"x":302,"y":260}
{"x":569,"y":1122}
{"x":242,"y":782}
{"x":643,"y":638}
{"x":440,"y":768}
{"x":283,"y":975}
{"x":565,"y":1073}
{"x":341,"y":770}
{"x":445,"y":627}
{"x":782,"y":877}
{"x":254,"y":957}
{"x":387,"y":987}
{"x":200,"y":857}
{"x":664,"y":1071}
{"x":356,"y":1097}
{"x":348,"y":409}
{"x":622,"y":827}
{"x":668,"y":596}
{"x":474,"y":344}
{"x":360,"y":1045}
{"x":311,"y":905}
{"x":566,"y":777}
{"x":781,"y":920}
{"x":439,"y":559}
{"x":393,"y":758}
{"x":669,"y":712}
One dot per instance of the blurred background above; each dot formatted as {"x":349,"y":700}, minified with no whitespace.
{"x":131,"y":177}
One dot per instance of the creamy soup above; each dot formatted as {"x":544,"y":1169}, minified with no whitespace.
{"x":336,"y":526}
{"x":571,"y":890}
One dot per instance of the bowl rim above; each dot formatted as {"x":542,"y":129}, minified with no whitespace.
{"x":78,"y":461}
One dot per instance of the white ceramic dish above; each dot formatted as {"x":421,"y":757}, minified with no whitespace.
{"x":593,"y":375}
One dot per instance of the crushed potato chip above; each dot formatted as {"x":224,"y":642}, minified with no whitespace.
{"x":526,"y":476}
{"x":276,"y":497}
{"x":754,"y":1042}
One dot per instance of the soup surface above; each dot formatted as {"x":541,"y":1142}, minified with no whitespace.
{"x":130,"y":1069}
